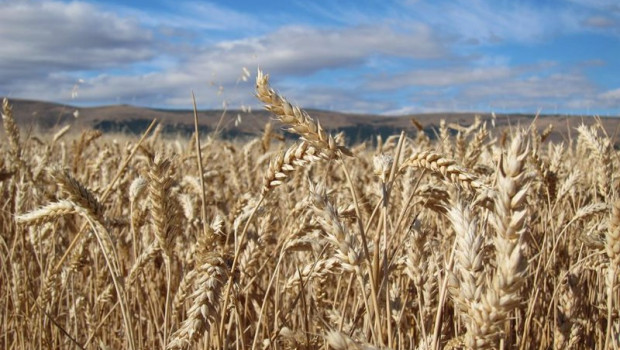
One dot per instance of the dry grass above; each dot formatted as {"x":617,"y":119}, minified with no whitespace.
{"x":481,"y":239}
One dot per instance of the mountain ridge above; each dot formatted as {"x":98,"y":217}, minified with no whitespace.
{"x":128,"y":118}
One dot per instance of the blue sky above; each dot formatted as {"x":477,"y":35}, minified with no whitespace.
{"x":388,"y":57}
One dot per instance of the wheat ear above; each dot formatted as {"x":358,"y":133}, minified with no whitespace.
{"x":612,"y":246}
{"x":508,"y":219}
{"x":341,"y":341}
{"x":298,"y":155}
{"x":77,"y":192}
{"x":46,"y":213}
{"x":12,"y":131}
{"x":297,"y":120}
{"x":15,"y":146}
{"x":166,"y":216}
{"x":467,"y":282}
{"x":205,"y":304}
{"x":602,"y":149}
{"x":446,"y":167}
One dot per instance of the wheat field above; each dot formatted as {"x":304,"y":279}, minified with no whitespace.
{"x":471,"y":238}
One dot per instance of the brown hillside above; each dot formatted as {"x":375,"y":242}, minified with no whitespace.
{"x":45,"y":115}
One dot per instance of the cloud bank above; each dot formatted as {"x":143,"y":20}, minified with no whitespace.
{"x":406,"y":57}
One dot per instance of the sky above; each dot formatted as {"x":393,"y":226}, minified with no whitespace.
{"x":364,"y":56}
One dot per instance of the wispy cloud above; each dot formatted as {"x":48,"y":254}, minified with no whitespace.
{"x":492,"y":22}
{"x":191,"y":17}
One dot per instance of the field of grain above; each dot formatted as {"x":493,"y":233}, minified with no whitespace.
{"x":482,"y":239}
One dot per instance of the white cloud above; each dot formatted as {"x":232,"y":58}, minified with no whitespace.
{"x":411,"y":109}
{"x":51,"y":36}
{"x":563,"y":92}
{"x":442,"y":77}
{"x":289,"y":51}
{"x":524,"y":88}
{"x":47,"y":46}
{"x":301,"y":50}
{"x":534,"y":87}
{"x":610,"y":98}
{"x":335,"y":98}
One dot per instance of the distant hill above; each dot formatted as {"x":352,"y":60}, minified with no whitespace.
{"x":44,"y":116}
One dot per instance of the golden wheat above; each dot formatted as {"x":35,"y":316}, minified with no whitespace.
{"x":485,"y":238}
